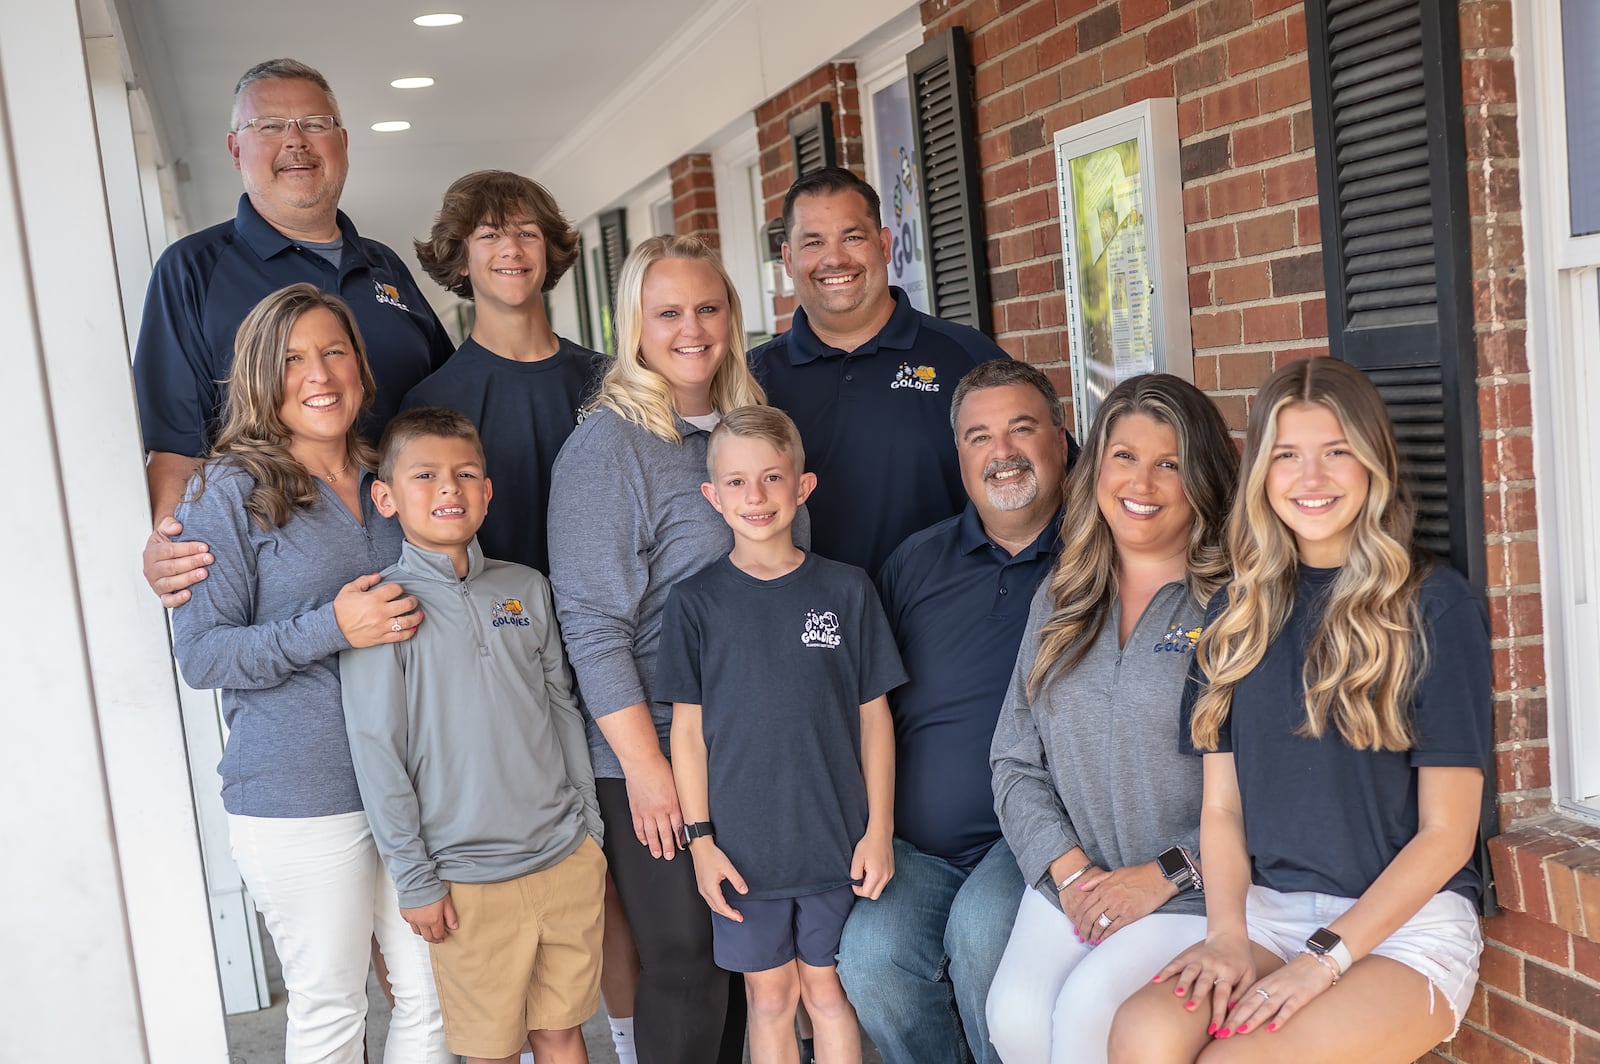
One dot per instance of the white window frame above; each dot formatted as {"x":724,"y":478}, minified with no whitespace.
{"x":1563,"y":289}
{"x":740,"y":221}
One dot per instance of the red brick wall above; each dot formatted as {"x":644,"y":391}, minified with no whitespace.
{"x":694,"y":199}
{"x":1239,"y":72}
{"x":834,"y":84}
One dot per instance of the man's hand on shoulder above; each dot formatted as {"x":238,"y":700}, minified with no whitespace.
{"x":170,"y":567}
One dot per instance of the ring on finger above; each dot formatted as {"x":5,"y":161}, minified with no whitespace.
{"x":1264,"y":995}
{"x":397,"y":626}
{"x":1105,"y":920}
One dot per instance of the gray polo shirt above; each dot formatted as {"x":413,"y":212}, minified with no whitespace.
{"x":1094,"y":761}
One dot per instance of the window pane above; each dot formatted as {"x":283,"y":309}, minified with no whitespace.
{"x":1580,"y":43}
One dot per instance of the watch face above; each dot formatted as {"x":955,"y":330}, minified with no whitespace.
{"x":1171,"y":862}
{"x":1322,"y":940}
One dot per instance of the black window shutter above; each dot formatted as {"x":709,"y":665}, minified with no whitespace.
{"x":952,"y":210}
{"x":811,"y":135}
{"x":1391,"y":176}
{"x":613,"y":249}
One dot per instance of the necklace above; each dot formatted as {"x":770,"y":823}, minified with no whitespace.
{"x":334,"y":476}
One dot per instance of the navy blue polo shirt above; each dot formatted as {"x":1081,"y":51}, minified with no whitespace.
{"x":958,"y":605}
{"x":204,"y":285}
{"x":876,"y":426}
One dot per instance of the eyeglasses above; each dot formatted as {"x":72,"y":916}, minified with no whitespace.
{"x":276,"y":128}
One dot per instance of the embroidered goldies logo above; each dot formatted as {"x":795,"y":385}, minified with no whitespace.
{"x":822,"y":629}
{"x":509,"y":611}
{"x":1179,"y":640}
{"x":388,"y":293}
{"x":922,"y":378}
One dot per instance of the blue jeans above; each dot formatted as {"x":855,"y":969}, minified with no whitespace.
{"x":917,"y":962}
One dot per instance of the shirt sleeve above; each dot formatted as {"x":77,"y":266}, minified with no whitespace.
{"x":215,"y":638}
{"x":1452,"y":717}
{"x":173,"y":373}
{"x":599,"y":568}
{"x":566,"y":716}
{"x":1032,"y":817}
{"x":678,"y":676}
{"x":881,"y":667}
{"x":373,"y":686}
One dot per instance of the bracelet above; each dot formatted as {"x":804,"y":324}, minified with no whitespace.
{"x":1326,"y":961}
{"x":1074,"y":877}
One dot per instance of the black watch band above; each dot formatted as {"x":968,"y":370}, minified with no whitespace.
{"x":699,"y":830}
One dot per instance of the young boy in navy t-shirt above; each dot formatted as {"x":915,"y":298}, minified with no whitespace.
{"x":777,"y":663}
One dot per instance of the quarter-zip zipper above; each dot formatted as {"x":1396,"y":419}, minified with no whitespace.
{"x":472,"y":618}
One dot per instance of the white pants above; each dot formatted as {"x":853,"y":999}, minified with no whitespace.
{"x":324,"y":892}
{"x":1053,"y":999}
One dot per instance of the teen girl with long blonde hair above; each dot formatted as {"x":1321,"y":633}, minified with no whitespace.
{"x":1342,"y":704}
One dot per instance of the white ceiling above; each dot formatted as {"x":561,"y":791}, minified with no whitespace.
{"x":511,"y":82}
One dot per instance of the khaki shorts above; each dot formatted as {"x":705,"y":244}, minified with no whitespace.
{"x":526,"y":956}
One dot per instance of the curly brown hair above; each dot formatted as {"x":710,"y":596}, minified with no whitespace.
{"x":494,"y":197}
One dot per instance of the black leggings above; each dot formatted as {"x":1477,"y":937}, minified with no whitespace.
{"x":686,"y":1010}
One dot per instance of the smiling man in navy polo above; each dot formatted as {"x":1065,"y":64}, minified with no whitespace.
{"x":865,"y":375}
{"x":918,"y":961}
{"x":290,"y":148}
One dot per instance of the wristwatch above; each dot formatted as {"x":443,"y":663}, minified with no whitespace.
{"x":689,"y":832}
{"x":1325,"y":943}
{"x":1179,"y":870}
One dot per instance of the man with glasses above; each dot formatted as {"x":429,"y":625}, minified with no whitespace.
{"x":289,"y":147}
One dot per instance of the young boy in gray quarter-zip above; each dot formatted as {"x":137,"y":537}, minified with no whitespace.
{"x":473,"y":765}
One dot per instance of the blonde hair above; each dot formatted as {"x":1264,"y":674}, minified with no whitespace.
{"x":637,"y":393}
{"x":758,"y":423}
{"x":253,"y":436}
{"x":1083,"y":583}
{"x":1364,"y":655}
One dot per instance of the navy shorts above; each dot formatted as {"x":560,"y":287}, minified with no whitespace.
{"x":777,"y":930}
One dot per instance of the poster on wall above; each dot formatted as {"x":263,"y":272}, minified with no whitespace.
{"x":901,"y":190}
{"x":1122,"y":245}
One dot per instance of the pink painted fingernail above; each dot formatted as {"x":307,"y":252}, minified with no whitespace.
{"x":1211,"y":1029}
{"x":1233,"y":1004}
{"x":1190,"y":1006}
{"x":1155,"y":979}
{"x":1272,"y":1026}
{"x":1244,"y":1028}
{"x":1178,"y":991}
{"x":1224,"y":1033}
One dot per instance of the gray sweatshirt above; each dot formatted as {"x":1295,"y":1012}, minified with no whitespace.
{"x":467,"y":739}
{"x":261,"y":627}
{"x":1094,"y":761}
{"x":627,"y":521}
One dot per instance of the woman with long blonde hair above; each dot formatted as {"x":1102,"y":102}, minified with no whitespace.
{"x":1342,"y":706}
{"x":284,"y":504}
{"x":1093,"y":795}
{"x":627,"y":521}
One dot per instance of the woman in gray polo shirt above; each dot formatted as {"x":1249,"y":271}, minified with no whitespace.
{"x":1094,"y":796}
{"x":627,"y":521}
{"x":284,"y":505}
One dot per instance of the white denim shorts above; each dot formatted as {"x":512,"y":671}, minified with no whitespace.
{"x":1442,"y":941}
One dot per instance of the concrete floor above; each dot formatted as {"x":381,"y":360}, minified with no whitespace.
{"x":257,"y":1037}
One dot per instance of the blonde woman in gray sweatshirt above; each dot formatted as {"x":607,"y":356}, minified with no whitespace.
{"x":1093,"y":794}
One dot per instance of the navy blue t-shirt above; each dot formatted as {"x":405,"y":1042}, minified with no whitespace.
{"x":1320,"y":815}
{"x":205,"y":284}
{"x":958,"y":606}
{"x":780,"y":669}
{"x":524,"y":412}
{"x":876,"y":426}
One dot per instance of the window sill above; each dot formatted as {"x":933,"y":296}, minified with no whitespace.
{"x":1548,"y":868}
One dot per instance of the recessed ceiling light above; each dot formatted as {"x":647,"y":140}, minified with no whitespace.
{"x":411,"y":83}
{"x":390,"y":127}
{"x":441,"y":19}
